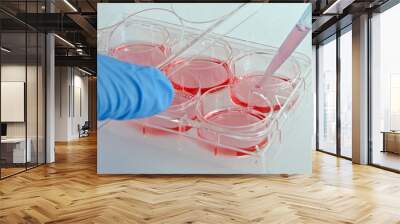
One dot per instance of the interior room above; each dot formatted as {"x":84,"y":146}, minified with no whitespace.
{"x":52,"y":167}
{"x":23,"y":100}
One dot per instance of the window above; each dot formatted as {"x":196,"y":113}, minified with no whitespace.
{"x":327,"y":97}
{"x":385,"y":89}
{"x":394,"y":101}
{"x":346,"y":94}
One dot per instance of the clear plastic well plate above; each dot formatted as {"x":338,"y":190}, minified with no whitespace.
{"x":215,"y":104}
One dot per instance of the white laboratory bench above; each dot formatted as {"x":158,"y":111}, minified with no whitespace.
{"x":17,"y":147}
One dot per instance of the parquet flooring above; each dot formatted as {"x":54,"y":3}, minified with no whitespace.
{"x":10,"y":171}
{"x":70,"y":191}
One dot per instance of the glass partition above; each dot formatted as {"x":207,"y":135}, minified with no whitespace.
{"x":22,"y":93}
{"x":15,"y":149}
{"x":32,"y":95}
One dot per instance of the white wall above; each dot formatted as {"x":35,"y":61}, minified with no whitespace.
{"x":70,"y":109}
{"x":15,"y":72}
{"x":80,"y":109}
{"x":61,"y":103}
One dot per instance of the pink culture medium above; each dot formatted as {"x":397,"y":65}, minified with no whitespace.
{"x":232,"y":118}
{"x":276,"y":90}
{"x":141,"y":53}
{"x":209,"y":72}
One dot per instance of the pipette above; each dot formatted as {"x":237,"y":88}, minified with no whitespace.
{"x":292,"y":41}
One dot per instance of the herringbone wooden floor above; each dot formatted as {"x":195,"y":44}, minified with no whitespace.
{"x":70,"y":191}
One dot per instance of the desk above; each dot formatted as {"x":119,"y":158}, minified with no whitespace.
{"x":15,"y":148}
{"x":391,"y":141}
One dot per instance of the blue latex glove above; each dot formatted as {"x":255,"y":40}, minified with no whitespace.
{"x":127,"y":91}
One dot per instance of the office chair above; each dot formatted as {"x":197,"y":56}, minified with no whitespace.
{"x":84,"y":130}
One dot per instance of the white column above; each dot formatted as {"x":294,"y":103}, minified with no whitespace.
{"x":360,"y":90}
{"x":50,"y":100}
{"x":50,"y":92}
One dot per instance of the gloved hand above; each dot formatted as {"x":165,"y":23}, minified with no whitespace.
{"x":127,"y":91}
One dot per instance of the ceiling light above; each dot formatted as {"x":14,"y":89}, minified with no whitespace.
{"x":5,"y":50}
{"x":65,"y":41}
{"x":70,"y":5}
{"x":84,"y":71}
